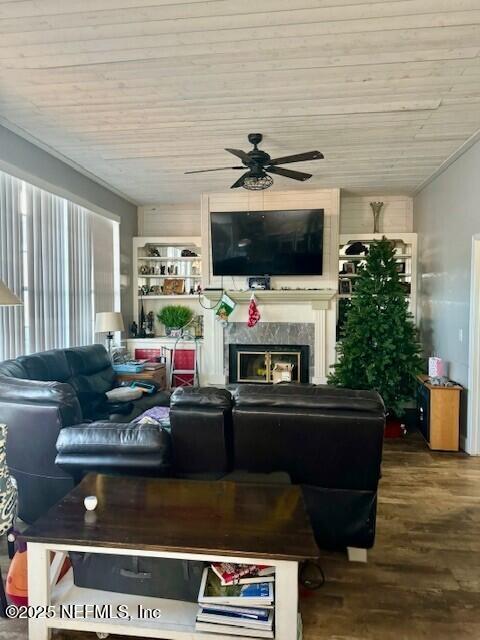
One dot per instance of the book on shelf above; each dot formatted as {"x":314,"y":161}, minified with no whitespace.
{"x":236,"y":619}
{"x":213,"y":592}
{"x":231,"y":573}
{"x":225,"y":629}
{"x":254,"y":613}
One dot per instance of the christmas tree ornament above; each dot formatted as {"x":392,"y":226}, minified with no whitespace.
{"x":253,"y":312}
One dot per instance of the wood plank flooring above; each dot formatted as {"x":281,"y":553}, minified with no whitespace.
{"x":422,"y":580}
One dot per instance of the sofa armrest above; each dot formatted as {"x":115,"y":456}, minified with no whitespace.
{"x":112,"y":437}
{"x":107,"y":447}
{"x":200,"y":419}
{"x":18,"y":391}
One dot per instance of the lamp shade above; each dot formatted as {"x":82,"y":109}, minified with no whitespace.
{"x":108,"y":321}
{"x":7,"y":298}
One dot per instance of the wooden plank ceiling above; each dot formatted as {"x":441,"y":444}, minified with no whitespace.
{"x":139,"y":91}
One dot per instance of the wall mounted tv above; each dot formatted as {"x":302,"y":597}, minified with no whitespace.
{"x":275,"y":243}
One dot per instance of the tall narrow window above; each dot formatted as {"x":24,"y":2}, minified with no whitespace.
{"x":12,"y":336}
{"x":61,"y":259}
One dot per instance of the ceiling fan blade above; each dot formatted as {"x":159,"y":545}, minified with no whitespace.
{"x":240,"y":181}
{"x":295,"y":175}
{"x":240,"y":154}
{"x":299,"y":157}
{"x":220,"y":169}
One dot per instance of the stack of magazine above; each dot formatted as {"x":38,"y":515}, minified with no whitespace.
{"x":237,"y":599}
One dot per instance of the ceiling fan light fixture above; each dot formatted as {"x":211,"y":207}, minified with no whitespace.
{"x":257,"y":183}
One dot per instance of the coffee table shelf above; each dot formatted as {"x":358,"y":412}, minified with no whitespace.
{"x":177,"y":617}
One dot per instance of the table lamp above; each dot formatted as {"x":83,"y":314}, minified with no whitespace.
{"x":7,"y":298}
{"x":108,"y":322}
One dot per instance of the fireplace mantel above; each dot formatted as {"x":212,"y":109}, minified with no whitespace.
{"x":319,"y":299}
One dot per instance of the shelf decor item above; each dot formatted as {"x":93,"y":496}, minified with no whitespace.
{"x":378,"y":346}
{"x":175,"y":317}
{"x":376,"y":209}
{"x":173,"y":286}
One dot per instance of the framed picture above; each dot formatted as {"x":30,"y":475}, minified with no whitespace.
{"x":173,"y":286}
{"x":344,"y":286}
{"x":401,"y":267}
{"x":349,"y":267}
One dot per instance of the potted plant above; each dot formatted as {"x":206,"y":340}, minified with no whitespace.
{"x":175,"y":317}
{"x":378,"y":347}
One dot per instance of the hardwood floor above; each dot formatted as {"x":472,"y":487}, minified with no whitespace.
{"x":422,"y":580}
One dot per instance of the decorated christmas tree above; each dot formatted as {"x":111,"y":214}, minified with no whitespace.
{"x":378,"y":347}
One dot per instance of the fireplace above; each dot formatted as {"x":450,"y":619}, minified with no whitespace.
{"x":268,"y":363}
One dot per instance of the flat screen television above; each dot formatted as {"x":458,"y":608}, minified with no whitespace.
{"x":275,"y":243}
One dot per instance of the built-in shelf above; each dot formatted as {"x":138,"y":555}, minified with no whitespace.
{"x":348,"y":296}
{"x":163,"y":277}
{"x":151,"y":286}
{"x":357,"y":275}
{"x":160,"y":259}
{"x":399,"y":256}
{"x":406,"y":247}
{"x":179,"y":296}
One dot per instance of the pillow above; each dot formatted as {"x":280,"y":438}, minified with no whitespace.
{"x":124,"y":394}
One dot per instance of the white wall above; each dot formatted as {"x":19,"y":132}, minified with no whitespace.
{"x":446,"y":216}
{"x":169,"y":219}
{"x":355,"y":216}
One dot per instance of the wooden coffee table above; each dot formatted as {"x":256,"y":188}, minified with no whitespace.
{"x":165,"y":518}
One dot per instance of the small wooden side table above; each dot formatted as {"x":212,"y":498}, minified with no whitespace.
{"x":157,"y":376}
{"x":438,"y":410}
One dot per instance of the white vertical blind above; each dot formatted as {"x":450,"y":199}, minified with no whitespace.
{"x":12,"y":340}
{"x":47,"y":279}
{"x":79,"y":260}
{"x":61,"y":258}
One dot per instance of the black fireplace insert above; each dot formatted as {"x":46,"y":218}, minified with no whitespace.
{"x":268,"y":363}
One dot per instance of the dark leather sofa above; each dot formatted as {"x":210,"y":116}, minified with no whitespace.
{"x":43,"y":393}
{"x":328,"y":440}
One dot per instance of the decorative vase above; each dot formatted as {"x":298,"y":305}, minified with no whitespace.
{"x":376,"y":209}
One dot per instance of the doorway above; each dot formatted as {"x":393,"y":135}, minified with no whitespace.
{"x":472,"y":444}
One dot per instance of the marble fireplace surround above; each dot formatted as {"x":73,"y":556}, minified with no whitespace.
{"x":270,"y":333}
{"x":287,"y":317}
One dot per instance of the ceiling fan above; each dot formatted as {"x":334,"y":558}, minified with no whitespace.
{"x":260,"y":164}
